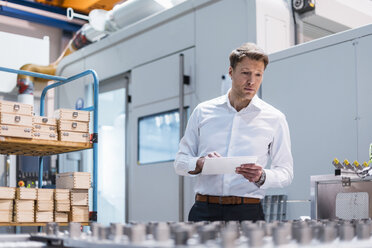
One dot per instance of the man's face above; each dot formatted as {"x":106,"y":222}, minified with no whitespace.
{"x":246,"y":78}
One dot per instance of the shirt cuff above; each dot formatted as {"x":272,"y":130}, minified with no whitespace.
{"x":269,"y":177}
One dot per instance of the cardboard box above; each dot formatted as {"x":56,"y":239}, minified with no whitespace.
{"x":74,"y":126}
{"x":24,"y":217}
{"x":6,"y":216}
{"x":62,"y":194}
{"x":47,"y":206}
{"x":73,"y":180}
{"x":16,"y":120}
{"x":44,"y":128}
{"x":72,"y":115}
{"x":74,"y":136}
{"x":60,"y":217}
{"x":24,"y":205}
{"x":26,"y":194}
{"x":7,"y":192}
{"x":79,"y":214}
{"x":16,"y":108}
{"x":45,"y":121}
{"x":24,"y":211}
{"x":79,"y":197}
{"x":16,"y":131}
{"x":44,"y":217}
{"x":45,"y":194}
{"x":45,"y":135}
{"x":6,"y":205}
{"x":62,"y":206}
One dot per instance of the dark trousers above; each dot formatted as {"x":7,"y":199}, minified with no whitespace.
{"x":203,"y":211}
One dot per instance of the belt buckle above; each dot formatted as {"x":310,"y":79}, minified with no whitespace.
{"x":220,"y":200}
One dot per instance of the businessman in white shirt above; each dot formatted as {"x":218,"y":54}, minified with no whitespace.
{"x":236,"y":124}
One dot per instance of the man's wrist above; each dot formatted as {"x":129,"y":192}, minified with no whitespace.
{"x":198,"y":166}
{"x":262,"y":179}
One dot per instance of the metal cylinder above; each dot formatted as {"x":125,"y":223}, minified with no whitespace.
{"x":94,"y":228}
{"x":363,"y":231}
{"x":228,"y":238}
{"x":52,"y":228}
{"x":162,"y":232}
{"x":181,"y":237}
{"x":207,"y":233}
{"x":116,"y":231}
{"x":303,"y":235}
{"x":74,"y":229}
{"x":103,"y":232}
{"x":268,"y":228}
{"x":232,"y":226}
{"x":346,"y":232}
{"x":127,"y":230}
{"x":327,"y":233}
{"x":255,"y":237}
{"x":280,"y":235}
{"x":315,"y":230}
{"x":138,"y":234}
{"x":288,"y":227}
{"x":150,"y":228}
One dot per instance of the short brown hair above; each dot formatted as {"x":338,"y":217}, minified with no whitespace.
{"x":249,"y":50}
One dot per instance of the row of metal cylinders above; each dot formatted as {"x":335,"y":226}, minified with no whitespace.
{"x":225,"y":234}
{"x":346,"y":165}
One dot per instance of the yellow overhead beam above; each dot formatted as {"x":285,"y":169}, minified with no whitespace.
{"x":82,"y":6}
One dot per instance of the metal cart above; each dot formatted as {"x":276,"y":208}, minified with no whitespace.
{"x":19,"y":146}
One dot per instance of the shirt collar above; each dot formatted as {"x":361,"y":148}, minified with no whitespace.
{"x":255,"y":104}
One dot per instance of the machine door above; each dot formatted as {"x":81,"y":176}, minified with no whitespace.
{"x":153,"y":137}
{"x":111,"y":149}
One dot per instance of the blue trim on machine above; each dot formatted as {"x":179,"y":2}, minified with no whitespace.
{"x":24,"y":15}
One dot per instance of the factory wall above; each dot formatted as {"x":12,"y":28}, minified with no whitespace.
{"x":323,"y":87}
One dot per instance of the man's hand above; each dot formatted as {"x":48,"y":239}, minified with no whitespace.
{"x":200,"y":162}
{"x":252,"y":172}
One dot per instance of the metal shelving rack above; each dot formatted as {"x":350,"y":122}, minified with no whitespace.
{"x":26,"y":147}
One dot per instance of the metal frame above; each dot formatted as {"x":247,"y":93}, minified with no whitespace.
{"x":94,"y":108}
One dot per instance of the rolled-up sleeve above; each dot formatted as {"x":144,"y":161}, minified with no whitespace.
{"x":188,"y":148}
{"x":281,"y":172}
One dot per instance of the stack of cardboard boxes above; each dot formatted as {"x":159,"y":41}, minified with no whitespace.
{"x":45,"y":128}
{"x":69,"y":202}
{"x":62,"y":205}
{"x":44,"y":205}
{"x":73,"y":125}
{"x":24,"y":205}
{"x":16,"y":119}
{"x":79,"y":184}
{"x":7,"y":196}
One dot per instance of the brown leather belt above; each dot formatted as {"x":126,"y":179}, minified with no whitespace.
{"x":226,"y":199}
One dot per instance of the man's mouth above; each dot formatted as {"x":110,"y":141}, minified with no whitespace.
{"x":249,"y":89}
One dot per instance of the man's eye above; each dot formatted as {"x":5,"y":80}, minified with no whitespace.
{"x":258,"y":75}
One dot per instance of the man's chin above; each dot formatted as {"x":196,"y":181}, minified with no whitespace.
{"x":248,"y":97}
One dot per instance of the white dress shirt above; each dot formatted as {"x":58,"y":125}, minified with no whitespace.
{"x":258,"y":130}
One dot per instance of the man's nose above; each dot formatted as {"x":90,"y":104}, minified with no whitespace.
{"x":250,"y":81}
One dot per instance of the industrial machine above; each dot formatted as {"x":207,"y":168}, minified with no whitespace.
{"x":346,"y":195}
{"x":311,"y":233}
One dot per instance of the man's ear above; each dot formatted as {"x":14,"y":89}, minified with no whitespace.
{"x":230,"y":71}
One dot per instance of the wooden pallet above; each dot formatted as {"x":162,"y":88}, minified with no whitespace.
{"x":27,"y":147}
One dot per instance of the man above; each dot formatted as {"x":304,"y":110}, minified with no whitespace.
{"x":236,"y":124}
